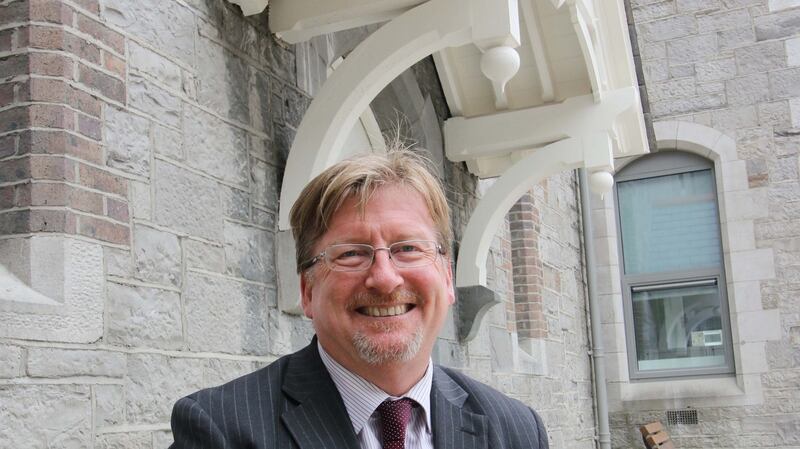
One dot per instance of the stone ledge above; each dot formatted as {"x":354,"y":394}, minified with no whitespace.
{"x":73,"y":298}
{"x":16,"y":296}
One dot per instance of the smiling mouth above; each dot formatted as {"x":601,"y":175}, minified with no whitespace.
{"x":396,"y":310}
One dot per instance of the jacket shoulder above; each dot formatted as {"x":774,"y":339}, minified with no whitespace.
{"x":514,"y":422}
{"x":268,"y":377}
{"x":483,"y":395}
{"x":221,"y":416}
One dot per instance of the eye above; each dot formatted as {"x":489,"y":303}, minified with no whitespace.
{"x":348,"y":257}
{"x":353,"y":252}
{"x":406,"y":248}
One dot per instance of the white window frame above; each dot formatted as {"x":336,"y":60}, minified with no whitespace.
{"x":667,"y":163}
{"x":747,"y":266}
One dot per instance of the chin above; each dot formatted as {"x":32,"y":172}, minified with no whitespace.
{"x":373,"y":350}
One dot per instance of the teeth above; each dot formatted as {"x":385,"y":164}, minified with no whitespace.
{"x":386,"y":311}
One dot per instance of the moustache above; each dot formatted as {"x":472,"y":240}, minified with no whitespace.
{"x":367,"y":299}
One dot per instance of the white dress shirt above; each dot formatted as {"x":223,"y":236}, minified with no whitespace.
{"x":362,"y":398}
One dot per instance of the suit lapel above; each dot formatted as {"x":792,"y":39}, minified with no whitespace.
{"x":319,"y":419}
{"x":454,"y":426}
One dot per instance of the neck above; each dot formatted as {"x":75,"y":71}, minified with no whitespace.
{"x":395,"y":378}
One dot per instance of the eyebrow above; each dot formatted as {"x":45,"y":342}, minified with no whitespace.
{"x":391,"y":242}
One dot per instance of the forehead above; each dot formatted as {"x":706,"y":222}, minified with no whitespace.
{"x":392,"y":212}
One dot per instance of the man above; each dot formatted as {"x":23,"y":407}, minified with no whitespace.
{"x":372,"y":237}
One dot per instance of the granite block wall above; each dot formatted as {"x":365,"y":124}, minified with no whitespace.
{"x":732,"y":67}
{"x":142,"y":147}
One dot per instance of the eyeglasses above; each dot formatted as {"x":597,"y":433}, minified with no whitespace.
{"x":359,"y":257}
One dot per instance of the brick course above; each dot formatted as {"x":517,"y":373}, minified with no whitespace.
{"x":103,"y":83}
{"x":114,"y":64}
{"x":104,"y":230}
{"x":13,"y":66}
{"x":60,"y":142}
{"x":50,"y":64}
{"x":66,"y":112}
{"x":96,"y":178}
{"x":6,"y":40}
{"x":93,"y":6}
{"x":46,"y":37}
{"x":117,"y":210}
{"x":37,"y":220}
{"x":7,"y":94}
{"x":50,"y":116}
{"x":83,"y":49}
{"x":14,"y":119}
{"x":52,"y":11}
{"x":16,"y":11}
{"x":524,"y":220}
{"x":108,"y":37}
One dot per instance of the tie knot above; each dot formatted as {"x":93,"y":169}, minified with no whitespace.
{"x":394,"y":419}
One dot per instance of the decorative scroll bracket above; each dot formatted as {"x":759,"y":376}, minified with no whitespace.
{"x":593,"y":151}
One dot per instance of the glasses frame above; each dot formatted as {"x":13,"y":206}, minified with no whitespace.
{"x":321,"y":256}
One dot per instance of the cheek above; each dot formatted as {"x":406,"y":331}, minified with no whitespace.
{"x":433,"y":286}
{"x":326,"y":294}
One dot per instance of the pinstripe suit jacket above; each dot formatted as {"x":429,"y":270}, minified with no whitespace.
{"x":293,"y":403}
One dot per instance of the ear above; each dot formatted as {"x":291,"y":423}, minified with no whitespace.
{"x":305,"y":294}
{"x":451,"y":293}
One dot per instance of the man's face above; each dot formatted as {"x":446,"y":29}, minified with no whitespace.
{"x":343,"y":305}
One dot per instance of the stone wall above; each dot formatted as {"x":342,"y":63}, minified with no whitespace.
{"x":142,"y":148}
{"x":732,"y":67}
{"x":551,"y":372}
{"x":568,"y":386}
{"x":145,"y":164}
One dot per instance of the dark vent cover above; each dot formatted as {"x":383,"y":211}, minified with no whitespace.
{"x":686,"y":416}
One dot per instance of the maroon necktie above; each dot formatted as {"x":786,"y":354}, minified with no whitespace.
{"x":394,"y":419}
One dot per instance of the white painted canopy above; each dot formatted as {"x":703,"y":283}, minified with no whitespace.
{"x":535,"y":87}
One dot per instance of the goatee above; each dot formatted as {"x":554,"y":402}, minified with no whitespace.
{"x":375,"y":353}
{"x":372,"y":351}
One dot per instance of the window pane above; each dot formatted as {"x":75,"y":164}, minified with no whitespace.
{"x":678,"y":328}
{"x":669,"y":223}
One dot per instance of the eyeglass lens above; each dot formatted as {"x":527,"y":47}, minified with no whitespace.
{"x":356,"y":257}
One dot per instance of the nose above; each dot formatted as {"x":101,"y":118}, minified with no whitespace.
{"x":383,"y":277}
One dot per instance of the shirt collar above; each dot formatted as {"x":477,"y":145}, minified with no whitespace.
{"x":362,"y":397}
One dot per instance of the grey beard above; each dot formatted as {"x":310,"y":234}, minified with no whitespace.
{"x":374,"y":354}
{"x":371,"y":352}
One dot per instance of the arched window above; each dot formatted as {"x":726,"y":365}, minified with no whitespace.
{"x":677,"y":321}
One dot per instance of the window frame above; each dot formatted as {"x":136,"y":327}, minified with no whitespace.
{"x":665,"y":163}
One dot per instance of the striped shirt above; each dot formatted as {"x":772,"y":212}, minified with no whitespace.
{"x":361,"y":399}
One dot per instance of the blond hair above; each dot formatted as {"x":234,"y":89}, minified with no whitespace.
{"x":358,"y":178}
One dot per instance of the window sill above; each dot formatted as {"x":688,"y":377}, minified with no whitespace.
{"x":693,"y":392}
